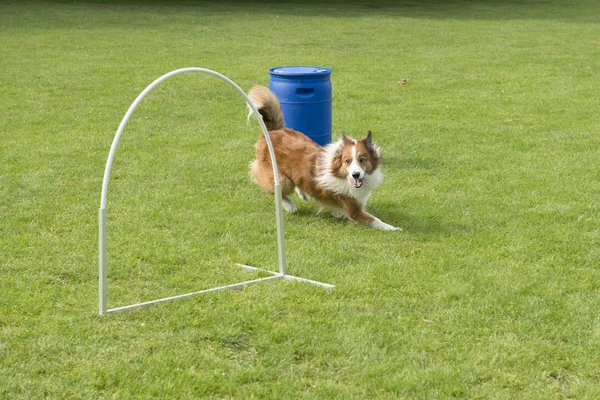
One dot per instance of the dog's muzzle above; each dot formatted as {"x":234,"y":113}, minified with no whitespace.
{"x":356,"y":180}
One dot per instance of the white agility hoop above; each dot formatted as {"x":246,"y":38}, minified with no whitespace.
{"x":103,"y":251}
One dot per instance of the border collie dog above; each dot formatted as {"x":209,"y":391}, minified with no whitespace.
{"x":339,"y":176}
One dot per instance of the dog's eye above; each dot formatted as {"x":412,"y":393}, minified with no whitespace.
{"x":362,"y":160}
{"x":347,"y":161}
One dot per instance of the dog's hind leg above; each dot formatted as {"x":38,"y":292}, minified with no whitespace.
{"x":289,"y":205}
{"x":262,"y":175}
{"x":287,"y":188}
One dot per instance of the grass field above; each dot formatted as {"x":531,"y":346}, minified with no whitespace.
{"x":491,"y":157}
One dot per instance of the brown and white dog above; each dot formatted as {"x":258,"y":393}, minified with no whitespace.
{"x":339,"y":176}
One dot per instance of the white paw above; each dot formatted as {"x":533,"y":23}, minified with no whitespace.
{"x":338,"y":213}
{"x":302,"y":195}
{"x":289,"y":205}
{"x":379,"y":224}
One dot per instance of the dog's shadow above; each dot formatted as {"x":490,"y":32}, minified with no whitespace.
{"x":421,"y":226}
{"x":389,"y":213}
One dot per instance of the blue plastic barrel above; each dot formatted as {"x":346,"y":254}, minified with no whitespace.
{"x":305,"y":97}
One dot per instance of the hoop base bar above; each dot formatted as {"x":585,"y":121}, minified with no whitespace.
{"x":181,"y":296}
{"x":286,"y":276}
{"x":275,"y":276}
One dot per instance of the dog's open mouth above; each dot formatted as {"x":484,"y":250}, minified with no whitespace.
{"x":358,"y":182}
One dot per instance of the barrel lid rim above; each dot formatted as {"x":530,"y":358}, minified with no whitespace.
{"x":299,"y":70}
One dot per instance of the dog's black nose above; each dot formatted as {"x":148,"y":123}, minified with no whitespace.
{"x":356,"y":175}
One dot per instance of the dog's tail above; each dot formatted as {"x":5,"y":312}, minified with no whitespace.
{"x":268,"y":106}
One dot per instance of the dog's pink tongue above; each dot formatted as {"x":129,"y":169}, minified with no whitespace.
{"x":357,"y":183}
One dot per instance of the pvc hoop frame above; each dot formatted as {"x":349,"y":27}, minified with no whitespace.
{"x":102,"y":215}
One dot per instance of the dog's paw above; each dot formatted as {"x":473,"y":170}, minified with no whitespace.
{"x":302,"y":195}
{"x":379,"y":224}
{"x":338,"y":213}
{"x":289,"y":205}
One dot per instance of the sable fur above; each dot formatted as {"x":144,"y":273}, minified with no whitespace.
{"x":339,"y":176}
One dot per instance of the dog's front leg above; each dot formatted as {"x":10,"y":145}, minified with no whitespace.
{"x":379,"y":224}
{"x":356,"y":212}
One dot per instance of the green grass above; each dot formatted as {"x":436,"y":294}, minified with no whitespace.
{"x":491,"y":162}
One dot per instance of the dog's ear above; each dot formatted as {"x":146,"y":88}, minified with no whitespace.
{"x":346,"y":139}
{"x":370,"y":145}
{"x":368,"y":140}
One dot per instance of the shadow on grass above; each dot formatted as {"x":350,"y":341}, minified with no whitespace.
{"x":387,"y":212}
{"x":415,"y":225}
{"x":574,"y":10}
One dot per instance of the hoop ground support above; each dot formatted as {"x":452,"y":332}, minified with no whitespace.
{"x":103,"y":251}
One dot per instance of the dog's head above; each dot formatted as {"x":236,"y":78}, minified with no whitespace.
{"x":355,"y":160}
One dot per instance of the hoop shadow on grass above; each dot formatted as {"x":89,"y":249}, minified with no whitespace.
{"x":102,"y":215}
